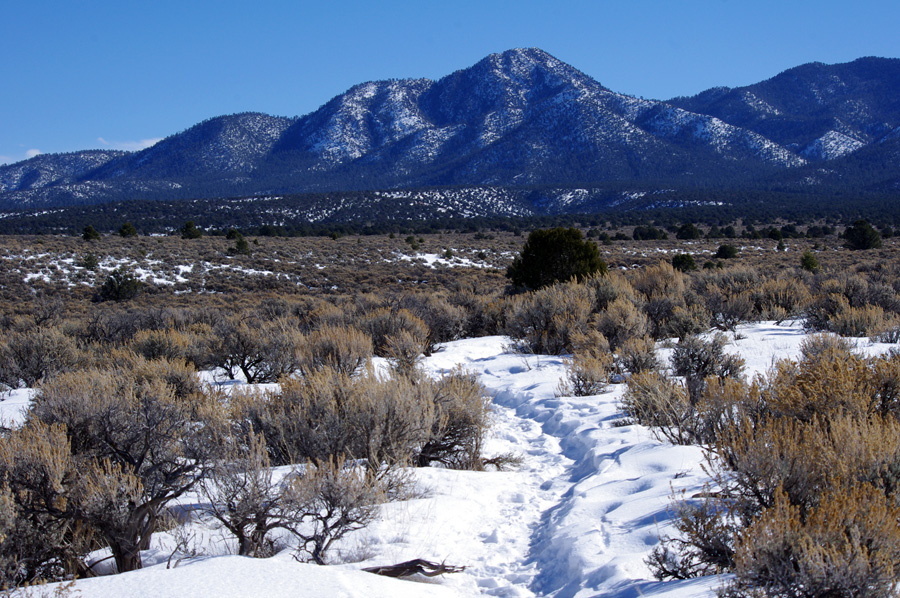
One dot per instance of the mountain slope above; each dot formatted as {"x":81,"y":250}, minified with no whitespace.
{"x":517,"y":118}
{"x":819,"y":111}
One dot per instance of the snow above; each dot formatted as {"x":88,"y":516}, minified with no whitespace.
{"x":576,"y":519}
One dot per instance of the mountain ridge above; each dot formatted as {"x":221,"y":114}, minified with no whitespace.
{"x":520,"y":117}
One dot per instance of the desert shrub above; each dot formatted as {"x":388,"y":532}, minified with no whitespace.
{"x":636,"y":355}
{"x":135,"y":444}
{"x":40,"y":540}
{"x":869,"y":320}
{"x":606,"y":289}
{"x":847,"y":546}
{"x":728,"y":310}
{"x":384,"y":323}
{"x":622,"y":321}
{"x":461,"y":420}
{"x":154,"y":344}
{"x":808,"y":468}
{"x":704,"y":544}
{"x":177,"y":373}
{"x":698,"y":359}
{"x":341,"y":348}
{"x":779,"y":299}
{"x":685,"y":321}
{"x":655,"y":400}
{"x":445,"y":322}
{"x":586,"y":375}
{"x":29,"y":356}
{"x":663,"y":290}
{"x":591,"y":343}
{"x":262,"y":351}
{"x":661,"y":280}
{"x":544,"y":321}
{"x":327,"y":415}
{"x":243,"y":497}
{"x":119,"y":286}
{"x":327,"y":501}
{"x":403,"y":351}
{"x":552,"y":256}
{"x":825,"y":346}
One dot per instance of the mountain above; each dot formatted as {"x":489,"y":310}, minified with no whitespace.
{"x":516,"y":119}
{"x":818,"y":111}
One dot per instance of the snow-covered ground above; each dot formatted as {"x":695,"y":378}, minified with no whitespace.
{"x":575,"y":519}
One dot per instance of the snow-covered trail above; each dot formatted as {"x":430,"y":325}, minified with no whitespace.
{"x":599,"y":490}
{"x":576,"y":519}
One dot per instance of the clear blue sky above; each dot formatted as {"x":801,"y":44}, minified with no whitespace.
{"x":117,"y":74}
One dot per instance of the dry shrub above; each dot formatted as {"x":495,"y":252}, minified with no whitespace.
{"x":685,"y":321}
{"x":135,"y":443}
{"x":621,"y":321}
{"x":591,"y":343}
{"x":29,"y":356}
{"x":698,"y":359}
{"x":661,"y":280}
{"x":168,"y":343}
{"x":782,"y":298}
{"x":39,"y":541}
{"x":384,"y":322}
{"x":825,"y":346}
{"x":544,"y":321}
{"x":327,"y":501}
{"x":848,"y":546}
{"x":808,"y":467}
{"x":263,"y":351}
{"x":446,"y":322}
{"x":655,"y":400}
{"x":328,"y":415}
{"x":663,"y":289}
{"x":462,"y":417}
{"x":341,"y":348}
{"x":849,"y":305}
{"x":403,"y":351}
{"x":484,"y":312}
{"x":608,"y":288}
{"x":586,"y":375}
{"x":637,"y":355}
{"x":869,"y":320}
{"x":728,"y":311}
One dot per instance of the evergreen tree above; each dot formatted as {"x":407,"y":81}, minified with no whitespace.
{"x":809,"y":262}
{"x":861,"y":235}
{"x":128,"y":230}
{"x":554,"y":255}
{"x":189,"y":231}
{"x":90,"y":233}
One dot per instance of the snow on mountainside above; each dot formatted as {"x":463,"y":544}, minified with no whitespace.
{"x":224,"y":144}
{"x":832,"y":144}
{"x":521,"y":117}
{"x":46,"y":170}
{"x":824,"y":111}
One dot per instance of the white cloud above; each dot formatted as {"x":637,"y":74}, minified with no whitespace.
{"x":130,"y":146}
{"x":32,"y":153}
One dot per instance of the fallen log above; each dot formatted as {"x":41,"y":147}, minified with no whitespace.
{"x":414,"y":567}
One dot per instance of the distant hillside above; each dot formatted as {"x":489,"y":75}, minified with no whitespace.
{"x":517,"y":119}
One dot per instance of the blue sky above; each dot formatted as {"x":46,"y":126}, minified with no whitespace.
{"x":119,"y":74}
